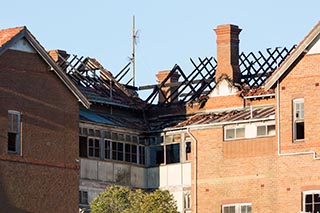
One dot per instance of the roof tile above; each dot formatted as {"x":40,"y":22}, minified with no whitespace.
{"x":7,"y":34}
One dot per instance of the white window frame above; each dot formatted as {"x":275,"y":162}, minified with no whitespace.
{"x":16,"y":130}
{"x":250,"y":130}
{"x":304,"y":194}
{"x":93,"y":147}
{"x":237,"y":206}
{"x":235,"y":129}
{"x":297,"y":117}
{"x":267,"y":127}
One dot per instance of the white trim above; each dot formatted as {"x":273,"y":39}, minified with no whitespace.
{"x":308,"y":192}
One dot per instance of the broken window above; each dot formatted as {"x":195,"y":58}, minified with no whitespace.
{"x":311,"y":201}
{"x":237,"y":208}
{"x":13,"y":131}
{"x":298,"y":119}
{"x":94,"y":147}
{"x":83,"y":147}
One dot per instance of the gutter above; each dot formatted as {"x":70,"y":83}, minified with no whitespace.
{"x":195,"y":169}
{"x":205,"y":126}
{"x":259,"y":96}
{"x":278,"y":133}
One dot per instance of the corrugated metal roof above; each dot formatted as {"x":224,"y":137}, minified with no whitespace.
{"x":105,"y":118}
{"x":230,"y":116}
{"x":93,"y":117}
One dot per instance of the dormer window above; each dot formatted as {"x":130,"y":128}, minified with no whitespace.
{"x":298,"y":119}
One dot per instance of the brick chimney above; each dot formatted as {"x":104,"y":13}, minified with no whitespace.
{"x":228,"y":52}
{"x":167,"y":91}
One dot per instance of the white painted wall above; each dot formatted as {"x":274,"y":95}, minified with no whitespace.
{"x":23,"y":45}
{"x":96,"y":175}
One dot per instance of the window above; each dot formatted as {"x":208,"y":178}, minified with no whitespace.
{"x":141,"y":155}
{"x":94,"y":147}
{"x":298,"y":119}
{"x":266,"y":130}
{"x":311,"y":201}
{"x":127,"y":149}
{"x":107,"y":149}
{"x":14,"y":132}
{"x":134,"y":153}
{"x":83,"y":146}
{"x":235,"y":132}
{"x":187,"y":201}
{"x":237,"y":208}
{"x":173,"y":153}
{"x":250,"y":130}
{"x":117,"y":151}
{"x":83,"y":197}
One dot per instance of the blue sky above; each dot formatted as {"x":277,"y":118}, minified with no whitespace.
{"x":170,"y":31}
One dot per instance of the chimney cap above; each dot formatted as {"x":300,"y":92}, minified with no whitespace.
{"x":227,"y":28}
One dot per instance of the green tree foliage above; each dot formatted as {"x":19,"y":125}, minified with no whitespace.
{"x":116,"y":199}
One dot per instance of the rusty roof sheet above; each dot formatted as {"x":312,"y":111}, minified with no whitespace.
{"x":230,"y":116}
{"x":7,"y":34}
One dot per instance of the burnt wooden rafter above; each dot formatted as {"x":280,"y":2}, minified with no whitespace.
{"x":191,"y":86}
{"x":89,"y":73}
{"x":256,"y":68}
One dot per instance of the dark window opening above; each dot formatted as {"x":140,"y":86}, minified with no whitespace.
{"x":188,"y":147}
{"x":12,"y":137}
{"x":120,"y":151}
{"x":141,"y":155}
{"x":127,"y":152}
{"x":94,"y":147}
{"x":173,"y":153}
{"x":300,"y":131}
{"x":134,"y":153}
{"x":83,"y":147}
{"x":114,"y":151}
{"x":312,"y":203}
{"x":83,"y":197}
{"x":13,"y":132}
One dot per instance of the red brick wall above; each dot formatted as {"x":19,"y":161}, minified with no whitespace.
{"x":301,"y":82}
{"x":45,"y":177}
{"x":251,"y":170}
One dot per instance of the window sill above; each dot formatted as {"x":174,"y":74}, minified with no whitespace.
{"x":298,"y":141}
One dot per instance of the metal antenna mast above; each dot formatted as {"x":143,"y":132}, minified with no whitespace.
{"x":134,"y":37}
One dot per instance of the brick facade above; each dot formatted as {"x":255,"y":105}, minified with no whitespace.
{"x":254,"y":170}
{"x":44,"y":177}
